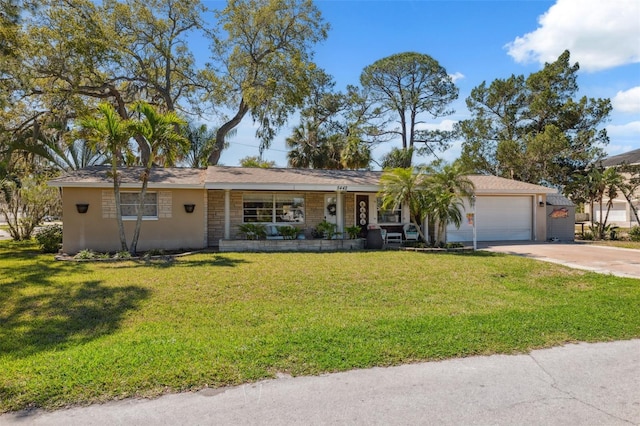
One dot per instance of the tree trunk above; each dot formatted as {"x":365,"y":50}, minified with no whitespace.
{"x":222,"y":132}
{"x":116,"y":192}
{"x":627,"y":196}
{"x":136,"y":233}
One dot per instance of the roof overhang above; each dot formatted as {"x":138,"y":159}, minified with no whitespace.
{"x":304,"y":187}
{"x":124,"y":185}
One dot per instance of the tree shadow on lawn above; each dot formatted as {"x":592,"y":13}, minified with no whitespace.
{"x":38,"y":313}
{"x":185,"y":261}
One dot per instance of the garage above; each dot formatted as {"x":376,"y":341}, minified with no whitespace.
{"x":498,"y":218}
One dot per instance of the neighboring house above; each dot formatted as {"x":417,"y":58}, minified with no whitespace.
{"x":620,"y":213}
{"x":199,"y":208}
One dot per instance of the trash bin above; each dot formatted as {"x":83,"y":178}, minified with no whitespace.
{"x":374,"y":238}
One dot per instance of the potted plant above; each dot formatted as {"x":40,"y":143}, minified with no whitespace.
{"x":353,"y":231}
{"x":326,"y":229}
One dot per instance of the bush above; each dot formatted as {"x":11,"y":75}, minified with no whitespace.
{"x":122,"y":255}
{"x":50,"y":238}
{"x":288,"y":232}
{"x":588,"y":236}
{"x":634,"y":233}
{"x":85,"y":255}
{"x":253,"y":231}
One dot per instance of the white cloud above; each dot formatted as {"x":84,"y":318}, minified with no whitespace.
{"x":600,"y":34}
{"x":627,"y":101}
{"x":457,"y":76}
{"x":624,"y":130}
{"x":619,"y":149}
{"x":445,"y":125}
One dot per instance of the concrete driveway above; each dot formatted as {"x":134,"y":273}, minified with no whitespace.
{"x":607,"y":260}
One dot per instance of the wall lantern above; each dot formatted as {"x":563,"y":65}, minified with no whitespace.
{"x":82,"y":208}
{"x":189,"y":208}
{"x":540,"y":202}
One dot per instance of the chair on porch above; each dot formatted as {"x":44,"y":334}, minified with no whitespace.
{"x":410,"y":232}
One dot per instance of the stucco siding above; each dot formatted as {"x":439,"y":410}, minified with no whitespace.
{"x":97,"y":229}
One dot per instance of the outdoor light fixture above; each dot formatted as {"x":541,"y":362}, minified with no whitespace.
{"x":82,"y":208}
{"x":540,"y":202}
{"x":189,"y":208}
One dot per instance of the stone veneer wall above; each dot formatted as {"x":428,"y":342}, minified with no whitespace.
{"x":314,"y":210}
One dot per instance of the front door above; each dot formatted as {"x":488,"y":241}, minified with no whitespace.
{"x":362,"y":213}
{"x":331,"y":209}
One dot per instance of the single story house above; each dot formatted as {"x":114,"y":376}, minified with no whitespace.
{"x":199,"y":208}
{"x":620,"y":213}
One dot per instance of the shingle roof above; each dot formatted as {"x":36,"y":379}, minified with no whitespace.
{"x":629,"y":158}
{"x":558,"y":200}
{"x":220,"y":177}
{"x":273,"y":179}
{"x":99,"y":176}
{"x":484,"y":183}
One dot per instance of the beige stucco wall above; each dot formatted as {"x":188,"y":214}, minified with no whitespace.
{"x":540,"y":217}
{"x":98,"y":230}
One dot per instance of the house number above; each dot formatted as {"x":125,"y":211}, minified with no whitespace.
{"x":342,"y":187}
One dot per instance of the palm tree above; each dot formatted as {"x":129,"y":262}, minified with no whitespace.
{"x":406,"y":186}
{"x":397,"y":158}
{"x":612,"y":182}
{"x":110,"y":132}
{"x":448,"y":186}
{"x":599,"y":183}
{"x":355,"y":154}
{"x":201,"y":143}
{"x":160,"y":131}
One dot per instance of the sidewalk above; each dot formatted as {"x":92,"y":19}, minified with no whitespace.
{"x":576,"y":384}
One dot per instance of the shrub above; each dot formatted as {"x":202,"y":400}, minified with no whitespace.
{"x":288,"y":232}
{"x":588,"y":236}
{"x":50,"y":238}
{"x":85,"y":254}
{"x":253,"y":231}
{"x":122,"y":255}
{"x":634,"y":233}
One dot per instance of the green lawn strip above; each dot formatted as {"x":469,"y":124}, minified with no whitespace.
{"x":620,"y":244}
{"x":75,"y":333}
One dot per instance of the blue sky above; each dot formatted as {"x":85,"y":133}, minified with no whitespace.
{"x":476,"y":41}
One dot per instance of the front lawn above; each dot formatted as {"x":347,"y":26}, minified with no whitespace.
{"x":75,"y":333}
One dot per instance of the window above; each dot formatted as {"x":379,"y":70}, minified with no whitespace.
{"x":129,"y":205}
{"x":388,"y":216}
{"x":273,"y":208}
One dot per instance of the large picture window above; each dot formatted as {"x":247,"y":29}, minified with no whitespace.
{"x":273,"y":208}
{"x":129,"y":205}
{"x":388,"y":216}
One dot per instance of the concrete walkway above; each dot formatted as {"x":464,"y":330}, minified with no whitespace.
{"x":607,"y":260}
{"x":576,"y":384}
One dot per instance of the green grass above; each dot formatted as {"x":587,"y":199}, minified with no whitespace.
{"x":620,"y":244}
{"x":75,"y":333}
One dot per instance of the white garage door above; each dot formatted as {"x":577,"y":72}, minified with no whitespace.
{"x":498,"y":219}
{"x":617,"y":214}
